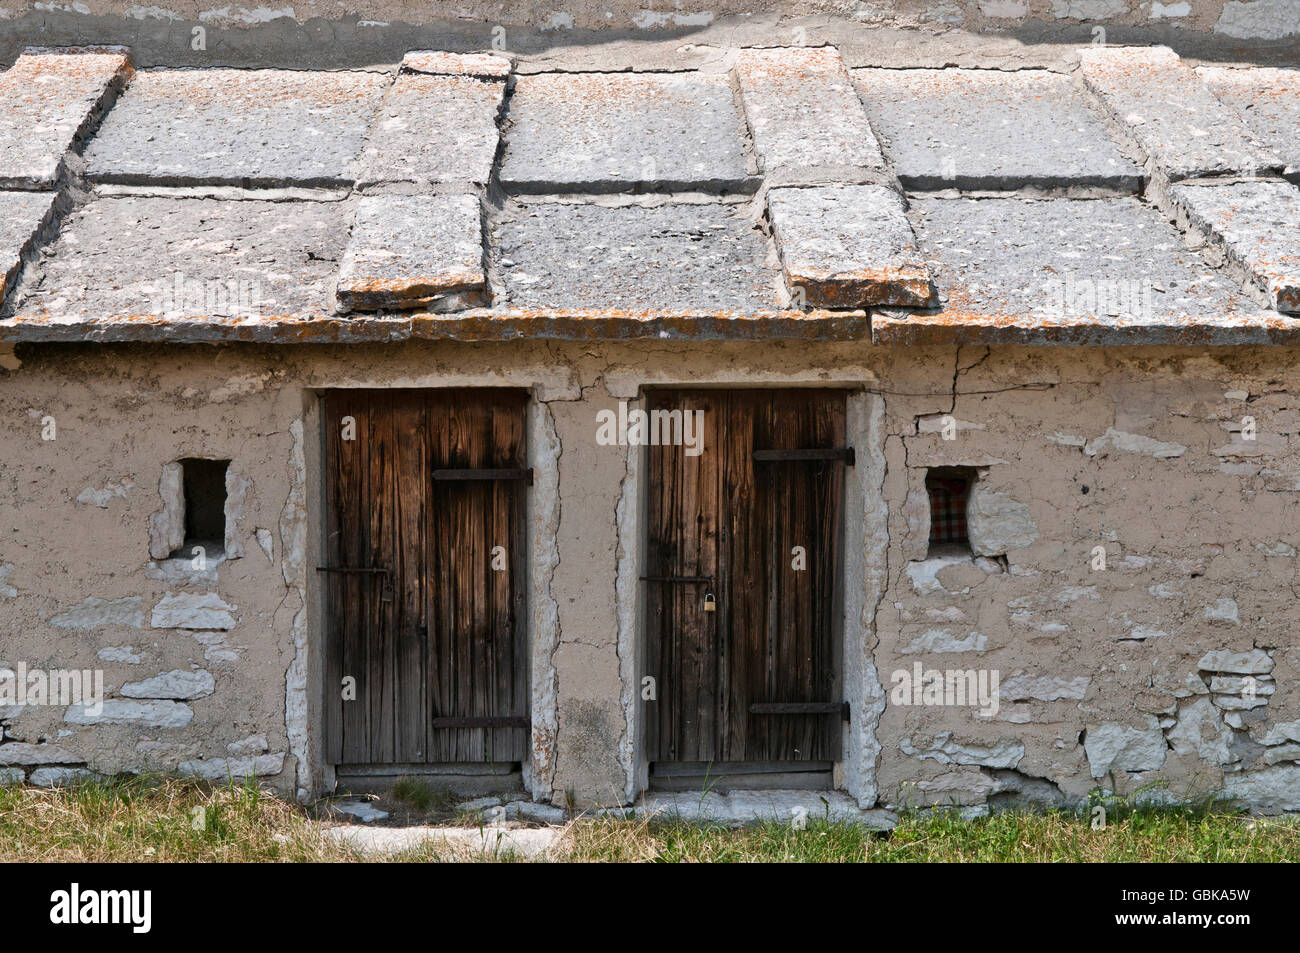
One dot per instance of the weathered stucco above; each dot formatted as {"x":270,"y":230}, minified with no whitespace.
{"x":316,"y":33}
{"x":1124,"y":677}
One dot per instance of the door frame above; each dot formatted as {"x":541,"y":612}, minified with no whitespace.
{"x":824,"y":733}
{"x":861,"y":586}
{"x":395,"y":509}
{"x":305,"y":699}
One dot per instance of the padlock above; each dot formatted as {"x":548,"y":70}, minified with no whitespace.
{"x":710,"y":603}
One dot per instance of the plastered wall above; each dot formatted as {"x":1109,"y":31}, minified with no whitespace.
{"x":1231,"y":17}
{"x":606,"y":35}
{"x":1171,"y":671}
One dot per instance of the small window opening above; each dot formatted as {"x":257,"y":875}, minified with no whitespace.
{"x":204,"y":483}
{"x":949,"y":491}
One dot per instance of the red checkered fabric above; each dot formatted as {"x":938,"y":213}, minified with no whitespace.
{"x":947,"y":509}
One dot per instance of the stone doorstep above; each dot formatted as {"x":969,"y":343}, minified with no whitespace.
{"x":736,"y":809}
{"x":739,"y":808}
{"x":530,"y":842}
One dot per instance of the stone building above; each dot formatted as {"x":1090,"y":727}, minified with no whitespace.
{"x":926,"y":434}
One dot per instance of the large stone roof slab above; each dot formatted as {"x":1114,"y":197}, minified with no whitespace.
{"x":21,"y":216}
{"x":509,"y":324}
{"x":417,"y":251}
{"x":1170,"y":115}
{"x":1258,"y":226}
{"x":134,"y":257}
{"x":456,"y":196}
{"x":1268,"y":100}
{"x":434,"y":130}
{"x":237,"y":127}
{"x":565,"y":255}
{"x":805,"y":116}
{"x":598,"y":132}
{"x":1068,"y":271}
{"x":990,"y":129}
{"x":945,"y":329}
{"x":48,"y":98}
{"x":441,"y":63}
{"x":848,"y":246}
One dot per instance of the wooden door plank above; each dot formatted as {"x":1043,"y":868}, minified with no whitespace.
{"x":410,"y":575}
{"x":656,"y":556}
{"x":506,"y":658}
{"x":333,"y":584}
{"x":832,"y":429}
{"x":441,"y":703}
{"x":379,"y":501}
{"x":704,"y":669}
{"x":741,"y":576}
{"x":359,"y":589}
{"x":467,"y":503}
{"x":478,"y":634}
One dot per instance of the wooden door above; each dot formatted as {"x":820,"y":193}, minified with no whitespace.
{"x":424,"y":553}
{"x":757,"y":679}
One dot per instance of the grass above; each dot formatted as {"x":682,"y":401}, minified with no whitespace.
{"x":418,"y":794}
{"x":155,"y":819}
{"x":146,"y":819}
{"x":1144,"y":836}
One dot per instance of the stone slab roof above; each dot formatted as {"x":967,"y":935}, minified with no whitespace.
{"x":1131,"y":199}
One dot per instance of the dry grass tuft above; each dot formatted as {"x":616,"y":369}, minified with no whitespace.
{"x":162,"y":819}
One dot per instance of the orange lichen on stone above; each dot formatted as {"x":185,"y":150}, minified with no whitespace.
{"x":479,"y":324}
{"x":895,"y":287}
{"x":440,"y":63}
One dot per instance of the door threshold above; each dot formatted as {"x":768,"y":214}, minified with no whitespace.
{"x":673,"y":776}
{"x":757,"y":807}
{"x":469,"y":779}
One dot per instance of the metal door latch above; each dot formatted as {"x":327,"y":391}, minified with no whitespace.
{"x":386,"y":588}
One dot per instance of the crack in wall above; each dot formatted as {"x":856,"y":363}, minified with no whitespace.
{"x":626,"y":572}
{"x":293,"y":542}
{"x":545,"y":451}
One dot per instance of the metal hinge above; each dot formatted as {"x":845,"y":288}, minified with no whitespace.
{"x":801,"y":708}
{"x":794,"y":456}
{"x":385,"y":592}
{"x":482,"y":721}
{"x":467,"y":473}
